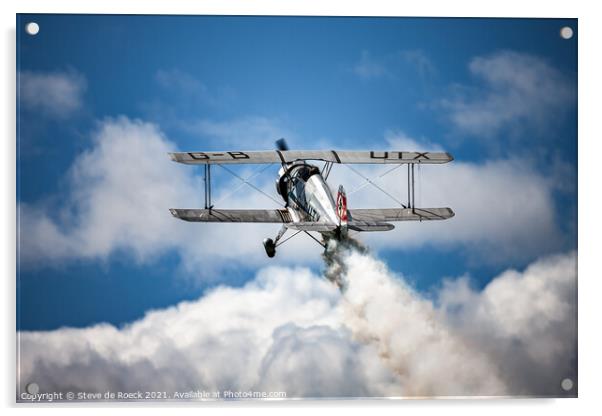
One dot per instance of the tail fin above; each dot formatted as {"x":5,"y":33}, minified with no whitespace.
{"x":342,"y":208}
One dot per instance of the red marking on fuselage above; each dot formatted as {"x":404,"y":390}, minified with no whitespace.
{"x":342,"y":206}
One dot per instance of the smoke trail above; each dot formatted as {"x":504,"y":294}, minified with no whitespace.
{"x":335,"y":255}
{"x":381,"y":309}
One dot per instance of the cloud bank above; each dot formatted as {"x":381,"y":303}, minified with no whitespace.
{"x":120,"y":191}
{"x":291,"y":330}
{"x":504,"y":209}
{"x":57,"y":95}
{"x":528,"y":320}
{"x":515,"y":92}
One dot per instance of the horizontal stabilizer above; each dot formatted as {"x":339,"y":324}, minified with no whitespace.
{"x":400,"y":214}
{"x":311,"y":226}
{"x":232,"y":215}
{"x":288,"y":156}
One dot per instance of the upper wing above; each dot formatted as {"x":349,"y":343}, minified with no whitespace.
{"x":334,"y":156}
{"x":232,"y":215}
{"x":399,"y":214}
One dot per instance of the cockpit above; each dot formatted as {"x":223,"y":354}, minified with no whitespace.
{"x":295,"y":176}
{"x":304,"y":172}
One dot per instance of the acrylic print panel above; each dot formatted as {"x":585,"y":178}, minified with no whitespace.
{"x":413,"y":235}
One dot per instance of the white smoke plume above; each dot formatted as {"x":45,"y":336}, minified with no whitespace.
{"x":427,"y":358}
{"x":292,"y":330}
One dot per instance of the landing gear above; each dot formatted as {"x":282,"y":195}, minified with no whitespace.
{"x":270,"y":247}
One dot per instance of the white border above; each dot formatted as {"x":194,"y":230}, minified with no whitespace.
{"x":470,"y":8}
{"x":590,"y":69}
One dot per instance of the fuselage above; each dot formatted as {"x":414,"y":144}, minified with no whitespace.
{"x":307,"y":196}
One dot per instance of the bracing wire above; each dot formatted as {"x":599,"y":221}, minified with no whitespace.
{"x":246,"y":181}
{"x":243,"y":183}
{"x":371,"y":182}
{"x":367,"y":182}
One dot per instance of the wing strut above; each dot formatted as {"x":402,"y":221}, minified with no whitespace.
{"x":207,"y":180}
{"x":315,"y":239}
{"x":411,"y":188}
{"x":413,"y":194}
{"x":279,"y":243}
{"x":326,"y":170}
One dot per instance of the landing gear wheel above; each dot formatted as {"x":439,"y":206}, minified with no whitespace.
{"x":270,"y":247}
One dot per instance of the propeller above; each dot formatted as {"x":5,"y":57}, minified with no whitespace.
{"x":281,"y":144}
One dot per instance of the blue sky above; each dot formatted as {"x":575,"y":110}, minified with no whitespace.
{"x":487,"y":90}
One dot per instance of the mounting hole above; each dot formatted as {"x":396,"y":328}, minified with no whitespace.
{"x":566,"y":32}
{"x":32,"y":28}
{"x":567,"y":384}
{"x":32,"y":388}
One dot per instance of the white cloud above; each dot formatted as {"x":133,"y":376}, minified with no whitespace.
{"x":400,"y":141}
{"x":182,"y":82}
{"x":527,"y":320}
{"x":242,"y":133}
{"x":55,"y":94}
{"x":504,"y":209}
{"x":420,"y":61}
{"x":120,"y":193}
{"x":187,"y":94}
{"x":369,"y":67}
{"x":121,"y":190}
{"x":518,"y":91}
{"x":278,"y":333}
{"x":290,"y":330}
{"x":392,"y":64}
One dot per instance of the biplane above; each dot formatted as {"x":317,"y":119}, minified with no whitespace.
{"x":309,"y":205}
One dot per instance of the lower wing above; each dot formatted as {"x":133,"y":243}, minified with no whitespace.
{"x":359,"y":219}
{"x":233,"y":215}
{"x":281,"y":216}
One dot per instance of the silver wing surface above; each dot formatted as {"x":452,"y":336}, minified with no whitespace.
{"x":288,"y":156}
{"x":312,"y":226}
{"x":281,"y":216}
{"x":399,"y":214}
{"x":233,"y":215}
{"x":369,"y":226}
